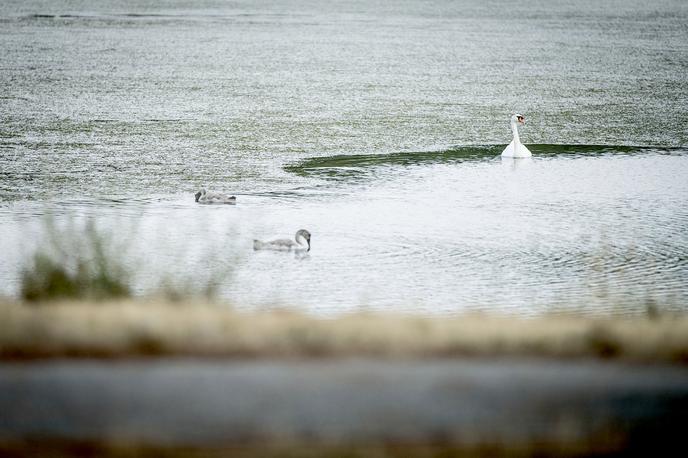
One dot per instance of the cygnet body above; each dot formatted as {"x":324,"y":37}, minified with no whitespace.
{"x":210,"y":197}
{"x":301,"y":242}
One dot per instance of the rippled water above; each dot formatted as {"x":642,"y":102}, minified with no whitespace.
{"x":378,"y":128}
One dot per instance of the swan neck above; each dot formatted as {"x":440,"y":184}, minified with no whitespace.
{"x":514,"y":129}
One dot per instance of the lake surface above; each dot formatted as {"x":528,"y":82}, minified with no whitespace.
{"x":378,"y":128}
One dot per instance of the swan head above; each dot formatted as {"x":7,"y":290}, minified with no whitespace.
{"x":304,"y":234}
{"x":518,"y":119}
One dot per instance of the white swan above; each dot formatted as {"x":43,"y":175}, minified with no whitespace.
{"x":302,"y":241}
{"x":209,"y":197}
{"x":516,"y":148}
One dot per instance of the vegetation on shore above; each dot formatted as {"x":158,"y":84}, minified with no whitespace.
{"x":76,"y":260}
{"x":75,"y":264}
{"x":130,"y":328}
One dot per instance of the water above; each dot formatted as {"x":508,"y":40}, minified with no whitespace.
{"x":378,"y":128}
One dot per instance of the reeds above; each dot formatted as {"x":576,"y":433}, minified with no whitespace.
{"x":78,"y":265}
{"x":80,"y":261}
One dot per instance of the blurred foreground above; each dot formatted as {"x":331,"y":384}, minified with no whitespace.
{"x":131,"y":328}
{"x":201,"y":379}
{"x":340,"y":407}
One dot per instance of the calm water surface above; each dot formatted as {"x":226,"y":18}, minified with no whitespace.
{"x":376,"y":127}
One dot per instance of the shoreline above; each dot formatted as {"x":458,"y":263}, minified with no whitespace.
{"x":158,"y":328}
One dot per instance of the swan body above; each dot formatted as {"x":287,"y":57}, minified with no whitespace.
{"x":301,"y":242}
{"x":516,"y":148}
{"x":210,"y":197}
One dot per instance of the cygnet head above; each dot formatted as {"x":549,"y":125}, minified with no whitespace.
{"x":304,"y":234}
{"x":518,"y":119}
{"x":199,"y":194}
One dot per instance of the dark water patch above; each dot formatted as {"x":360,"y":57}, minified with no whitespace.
{"x":61,"y":16}
{"x":162,"y":121}
{"x":353,"y":166}
{"x":344,"y":166}
{"x":151,"y":16}
{"x":147,"y":15}
{"x":103,"y":19}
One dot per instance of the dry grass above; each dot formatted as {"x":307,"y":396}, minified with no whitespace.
{"x":129,"y":328}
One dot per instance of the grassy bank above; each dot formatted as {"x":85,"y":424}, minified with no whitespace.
{"x":131,"y":328}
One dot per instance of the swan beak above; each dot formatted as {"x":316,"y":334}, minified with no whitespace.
{"x":521,"y":120}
